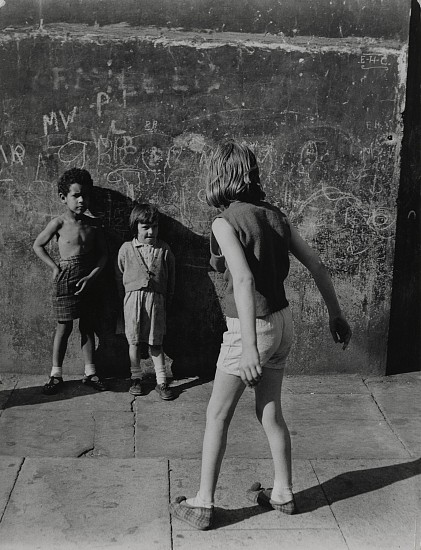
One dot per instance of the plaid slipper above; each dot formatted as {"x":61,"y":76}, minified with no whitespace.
{"x":261,"y":496}
{"x":198,"y":517}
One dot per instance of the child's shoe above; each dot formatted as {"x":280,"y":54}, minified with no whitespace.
{"x":94,"y":381}
{"x":165,"y":392}
{"x":198,"y":517}
{"x":53,"y":386}
{"x":136,"y":387}
{"x":261,"y":496}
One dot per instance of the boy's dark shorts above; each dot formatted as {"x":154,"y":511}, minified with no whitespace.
{"x":67,"y":306}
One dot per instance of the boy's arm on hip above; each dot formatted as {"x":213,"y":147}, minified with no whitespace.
{"x":44,"y":238}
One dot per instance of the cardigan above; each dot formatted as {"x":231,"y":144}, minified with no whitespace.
{"x":133,"y":272}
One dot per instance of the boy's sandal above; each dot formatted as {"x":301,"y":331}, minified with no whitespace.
{"x":94,"y":381}
{"x":197,"y":516}
{"x":54,"y":385}
{"x":258,"y":495}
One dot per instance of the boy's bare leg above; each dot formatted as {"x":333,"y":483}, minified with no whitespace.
{"x":61,"y":338}
{"x":227,"y":390}
{"x":269,"y":414}
{"x":87,"y":336}
{"x":87,"y":342}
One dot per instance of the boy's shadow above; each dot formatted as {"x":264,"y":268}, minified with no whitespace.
{"x":195,"y":322}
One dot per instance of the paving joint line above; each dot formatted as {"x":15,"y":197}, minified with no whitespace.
{"x":9,"y":398}
{"x":329,"y":504}
{"x":169,"y":500}
{"x":86,"y":452}
{"x":133,"y":410}
{"x":12,"y":489}
{"x":392,"y":429}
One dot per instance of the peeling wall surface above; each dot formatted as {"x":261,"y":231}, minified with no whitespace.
{"x":139,"y":92}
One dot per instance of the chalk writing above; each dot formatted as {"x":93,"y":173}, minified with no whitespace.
{"x":52,"y":120}
{"x":373,"y":61}
{"x":12,"y":154}
{"x":102,"y":99}
{"x":73,"y":153}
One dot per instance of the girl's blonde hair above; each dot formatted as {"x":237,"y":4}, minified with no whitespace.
{"x":233,"y":175}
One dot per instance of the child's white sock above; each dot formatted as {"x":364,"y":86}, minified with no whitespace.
{"x":161,"y":375}
{"x":57,"y":372}
{"x":197,"y":502}
{"x":90,"y":369}
{"x":281,"y":494}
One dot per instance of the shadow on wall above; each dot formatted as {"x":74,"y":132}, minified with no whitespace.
{"x":195,"y":322}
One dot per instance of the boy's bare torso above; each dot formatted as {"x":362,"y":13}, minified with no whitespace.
{"x":75,"y":236}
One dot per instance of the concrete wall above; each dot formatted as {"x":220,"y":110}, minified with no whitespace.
{"x":138,"y":93}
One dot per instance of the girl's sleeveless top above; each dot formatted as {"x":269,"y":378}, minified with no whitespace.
{"x":264,"y":234}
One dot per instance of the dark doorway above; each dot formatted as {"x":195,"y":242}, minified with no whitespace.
{"x":404,"y":343}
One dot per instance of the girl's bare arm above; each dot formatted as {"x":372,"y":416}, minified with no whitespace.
{"x":339,"y":328}
{"x":243,"y":283}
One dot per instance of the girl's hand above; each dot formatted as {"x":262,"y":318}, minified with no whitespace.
{"x":82,"y":284}
{"x":56,"y":272}
{"x":340,"y":330}
{"x":250,"y":369}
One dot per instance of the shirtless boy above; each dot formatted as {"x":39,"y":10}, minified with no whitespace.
{"x":83,"y":255}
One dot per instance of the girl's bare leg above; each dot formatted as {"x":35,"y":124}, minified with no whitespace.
{"x":269,"y":414}
{"x":227,"y":390}
{"x":134,"y":356}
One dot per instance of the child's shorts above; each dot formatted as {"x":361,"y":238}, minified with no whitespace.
{"x":274,"y":340}
{"x":67,"y":305}
{"x":144,"y":317}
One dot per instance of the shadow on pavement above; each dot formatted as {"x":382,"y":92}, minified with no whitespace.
{"x":33,"y":395}
{"x":353,"y":483}
{"x":225,"y":517}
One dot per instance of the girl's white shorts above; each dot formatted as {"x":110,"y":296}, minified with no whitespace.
{"x":274,"y":340}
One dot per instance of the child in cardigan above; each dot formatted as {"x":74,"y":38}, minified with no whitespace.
{"x":250,"y":243}
{"x":83,"y":255}
{"x":146,"y":269}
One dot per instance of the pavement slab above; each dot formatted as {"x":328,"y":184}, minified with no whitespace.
{"x":376,"y":502}
{"x":347,"y":439}
{"x":332,"y":383}
{"x":273,"y":539}
{"x":67,"y":433}
{"x":85,"y":504}
{"x":398,"y":398}
{"x":176,"y":426}
{"x":114,"y":435}
{"x":330,"y":407}
{"x":46,"y":433}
